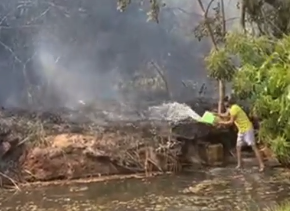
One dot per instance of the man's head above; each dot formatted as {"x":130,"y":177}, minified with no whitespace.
{"x":228,"y":102}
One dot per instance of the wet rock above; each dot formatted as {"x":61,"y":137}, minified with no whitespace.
{"x":204,"y":153}
{"x":193,"y":154}
{"x":191,"y":129}
{"x":205,"y":186}
{"x":215,"y":154}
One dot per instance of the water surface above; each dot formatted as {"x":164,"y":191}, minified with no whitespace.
{"x":218,"y":189}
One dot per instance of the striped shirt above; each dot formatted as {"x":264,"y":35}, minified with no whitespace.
{"x":242,"y":121}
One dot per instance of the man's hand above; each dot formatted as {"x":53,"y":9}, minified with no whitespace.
{"x":215,"y":113}
{"x":218,"y":126}
{"x":217,"y":122}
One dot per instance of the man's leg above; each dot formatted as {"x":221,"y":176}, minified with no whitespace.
{"x":250,"y":140}
{"x":239,"y":149}
{"x":259,"y":157}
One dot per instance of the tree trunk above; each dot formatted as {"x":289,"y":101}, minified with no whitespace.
{"x":222,"y":87}
{"x":243,"y":15}
{"x":222,"y":90}
{"x":210,"y":30}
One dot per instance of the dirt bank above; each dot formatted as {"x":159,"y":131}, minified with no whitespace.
{"x":46,"y":146}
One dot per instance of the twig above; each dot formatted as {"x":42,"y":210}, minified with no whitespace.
{"x":23,"y":141}
{"x":10,"y":179}
{"x":41,"y":15}
{"x":12,"y":52}
{"x":232,"y":153}
{"x":162,"y":75}
{"x":10,"y":12}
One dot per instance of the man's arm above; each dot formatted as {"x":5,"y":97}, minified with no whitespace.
{"x":223,"y":115}
{"x":229,"y":122}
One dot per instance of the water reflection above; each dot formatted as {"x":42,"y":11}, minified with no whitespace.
{"x":217,"y":189}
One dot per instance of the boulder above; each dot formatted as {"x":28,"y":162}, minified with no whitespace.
{"x":54,"y":145}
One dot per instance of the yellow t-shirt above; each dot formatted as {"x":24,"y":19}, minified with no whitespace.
{"x":242,"y":121}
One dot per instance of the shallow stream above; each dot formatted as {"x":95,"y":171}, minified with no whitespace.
{"x":218,"y":189}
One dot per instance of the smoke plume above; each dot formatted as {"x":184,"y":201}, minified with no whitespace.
{"x":67,"y":51}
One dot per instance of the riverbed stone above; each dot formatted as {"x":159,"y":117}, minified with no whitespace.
{"x":215,"y":154}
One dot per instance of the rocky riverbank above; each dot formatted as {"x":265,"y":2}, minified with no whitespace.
{"x":43,"y":146}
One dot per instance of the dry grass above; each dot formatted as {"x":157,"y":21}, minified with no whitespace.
{"x":278,"y":207}
{"x":11,"y":180}
{"x":282,"y":207}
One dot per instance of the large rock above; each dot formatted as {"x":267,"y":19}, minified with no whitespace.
{"x":66,"y":144}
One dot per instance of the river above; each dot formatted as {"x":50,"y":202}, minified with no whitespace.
{"x":217,"y":189}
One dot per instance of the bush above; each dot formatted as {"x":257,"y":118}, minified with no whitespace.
{"x":263,"y":78}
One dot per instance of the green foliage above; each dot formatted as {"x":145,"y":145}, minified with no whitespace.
{"x":152,"y":14}
{"x":282,"y":207}
{"x":219,"y":62}
{"x":220,"y":65}
{"x":250,"y":51}
{"x":264,"y":79}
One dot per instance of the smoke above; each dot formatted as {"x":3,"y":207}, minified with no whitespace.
{"x":81,"y":49}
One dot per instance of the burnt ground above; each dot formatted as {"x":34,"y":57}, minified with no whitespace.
{"x":67,"y":144}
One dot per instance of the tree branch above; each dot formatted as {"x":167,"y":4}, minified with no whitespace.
{"x":161,"y":74}
{"x":205,"y":13}
{"x":243,"y":15}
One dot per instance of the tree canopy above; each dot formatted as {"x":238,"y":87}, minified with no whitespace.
{"x":266,"y":16}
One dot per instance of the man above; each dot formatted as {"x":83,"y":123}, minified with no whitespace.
{"x":245,"y":128}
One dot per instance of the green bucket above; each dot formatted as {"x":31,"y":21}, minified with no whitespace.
{"x":208,"y":118}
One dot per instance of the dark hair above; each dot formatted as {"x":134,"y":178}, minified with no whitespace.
{"x":229,"y":100}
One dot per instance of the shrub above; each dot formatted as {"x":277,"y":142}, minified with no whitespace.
{"x":263,"y":79}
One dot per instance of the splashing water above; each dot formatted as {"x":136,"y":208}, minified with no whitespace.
{"x":172,"y":112}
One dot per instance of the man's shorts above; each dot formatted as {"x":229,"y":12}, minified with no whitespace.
{"x":247,"y":138}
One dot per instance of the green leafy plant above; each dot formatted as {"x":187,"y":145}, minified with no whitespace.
{"x":219,"y":65}
{"x":263,"y":79}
